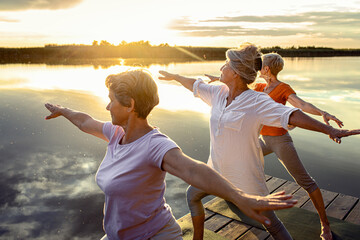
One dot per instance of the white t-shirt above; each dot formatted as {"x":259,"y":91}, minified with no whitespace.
{"x":131,"y":177}
{"x":235,"y":151}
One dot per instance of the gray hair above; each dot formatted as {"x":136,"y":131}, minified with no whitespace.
{"x":274,"y":61}
{"x":245,"y":61}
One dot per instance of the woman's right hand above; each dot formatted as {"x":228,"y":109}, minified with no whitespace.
{"x":167,"y":76}
{"x":54,"y":109}
{"x":212,"y":78}
{"x":327,"y":117}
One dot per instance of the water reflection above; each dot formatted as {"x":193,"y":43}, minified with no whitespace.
{"x":48,"y":167}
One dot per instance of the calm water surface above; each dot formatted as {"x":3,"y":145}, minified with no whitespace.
{"x":48,"y":167}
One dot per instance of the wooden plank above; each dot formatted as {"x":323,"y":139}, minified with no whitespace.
{"x":211,"y":201}
{"x":274,"y":183}
{"x":268,"y":177}
{"x":208,"y":214}
{"x":216,"y":222}
{"x":185,"y":218}
{"x":289,"y":187}
{"x":328,"y":197}
{"x":354,"y":215}
{"x":234,"y":229}
{"x":302,"y":197}
{"x":255,"y":233}
{"x":341,"y":206}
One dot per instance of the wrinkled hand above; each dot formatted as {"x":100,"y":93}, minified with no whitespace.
{"x":255,"y":205}
{"x":54,"y":109}
{"x":327,"y":117}
{"x":167,"y":76}
{"x":337,"y":134}
{"x":212,"y":78}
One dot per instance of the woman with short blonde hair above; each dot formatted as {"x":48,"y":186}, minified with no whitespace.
{"x":279,"y":141}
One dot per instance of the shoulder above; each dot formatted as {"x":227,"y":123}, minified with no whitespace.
{"x":261,"y":97}
{"x":253,"y":97}
{"x":159,"y":144}
{"x":157,"y":138}
{"x":200,"y":87}
{"x":285,"y":86}
{"x":112,"y":131}
{"x":256,"y":94}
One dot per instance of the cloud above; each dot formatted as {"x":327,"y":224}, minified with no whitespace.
{"x":322,"y":24}
{"x":14,"y":5}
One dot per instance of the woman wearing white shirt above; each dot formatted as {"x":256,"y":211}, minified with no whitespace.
{"x":237,"y":115}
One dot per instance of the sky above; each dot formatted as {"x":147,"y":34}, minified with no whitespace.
{"x":226,"y":23}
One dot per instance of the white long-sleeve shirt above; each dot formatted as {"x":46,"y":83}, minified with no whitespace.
{"x":235,"y":151}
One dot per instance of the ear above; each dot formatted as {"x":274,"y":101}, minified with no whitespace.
{"x":266,"y":68}
{"x":132,"y":106}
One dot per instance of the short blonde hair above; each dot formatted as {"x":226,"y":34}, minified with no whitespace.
{"x":245,"y":61}
{"x":274,"y":61}
{"x":137,"y":85}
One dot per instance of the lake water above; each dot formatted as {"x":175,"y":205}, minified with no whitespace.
{"x":48,"y":167}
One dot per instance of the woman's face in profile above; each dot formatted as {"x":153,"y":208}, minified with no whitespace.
{"x":226,"y":73}
{"x":118,"y":112}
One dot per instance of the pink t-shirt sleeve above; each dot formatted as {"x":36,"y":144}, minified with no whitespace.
{"x":159,"y":146}
{"x":109,"y":130}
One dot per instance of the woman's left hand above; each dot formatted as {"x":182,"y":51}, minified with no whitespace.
{"x":337,"y":134}
{"x":327,"y":117}
{"x":255,"y":205}
{"x":212,"y":78}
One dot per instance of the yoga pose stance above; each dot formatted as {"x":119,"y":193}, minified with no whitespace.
{"x":237,"y":116}
{"x":279,"y":141}
{"x":132,"y":173}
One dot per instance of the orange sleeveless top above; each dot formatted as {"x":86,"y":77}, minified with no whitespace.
{"x":279,"y":94}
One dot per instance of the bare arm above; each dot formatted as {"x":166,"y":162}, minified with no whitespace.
{"x":300,"y":119}
{"x":201,"y":176}
{"x":212,"y":78}
{"x":186,"y":82}
{"x":310,"y":108}
{"x":81,"y":120}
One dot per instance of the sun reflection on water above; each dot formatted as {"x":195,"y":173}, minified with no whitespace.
{"x":310,"y":78}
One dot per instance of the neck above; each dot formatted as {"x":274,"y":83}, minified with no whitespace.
{"x":236,"y":87}
{"x":272,"y":81}
{"x":135,"y":128}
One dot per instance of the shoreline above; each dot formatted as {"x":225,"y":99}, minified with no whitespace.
{"x":110,"y":55}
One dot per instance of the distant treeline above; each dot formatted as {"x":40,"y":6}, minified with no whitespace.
{"x":72,"y":54}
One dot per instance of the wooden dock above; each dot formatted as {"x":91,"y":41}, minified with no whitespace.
{"x":302,"y":221}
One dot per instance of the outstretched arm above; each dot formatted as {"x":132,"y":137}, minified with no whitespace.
{"x":186,"y":82}
{"x":202,"y":176}
{"x":82,"y":120}
{"x":300,"y":119}
{"x":212,"y":78}
{"x":310,"y":108}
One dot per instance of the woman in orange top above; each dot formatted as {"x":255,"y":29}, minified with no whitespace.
{"x":278,"y":140}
